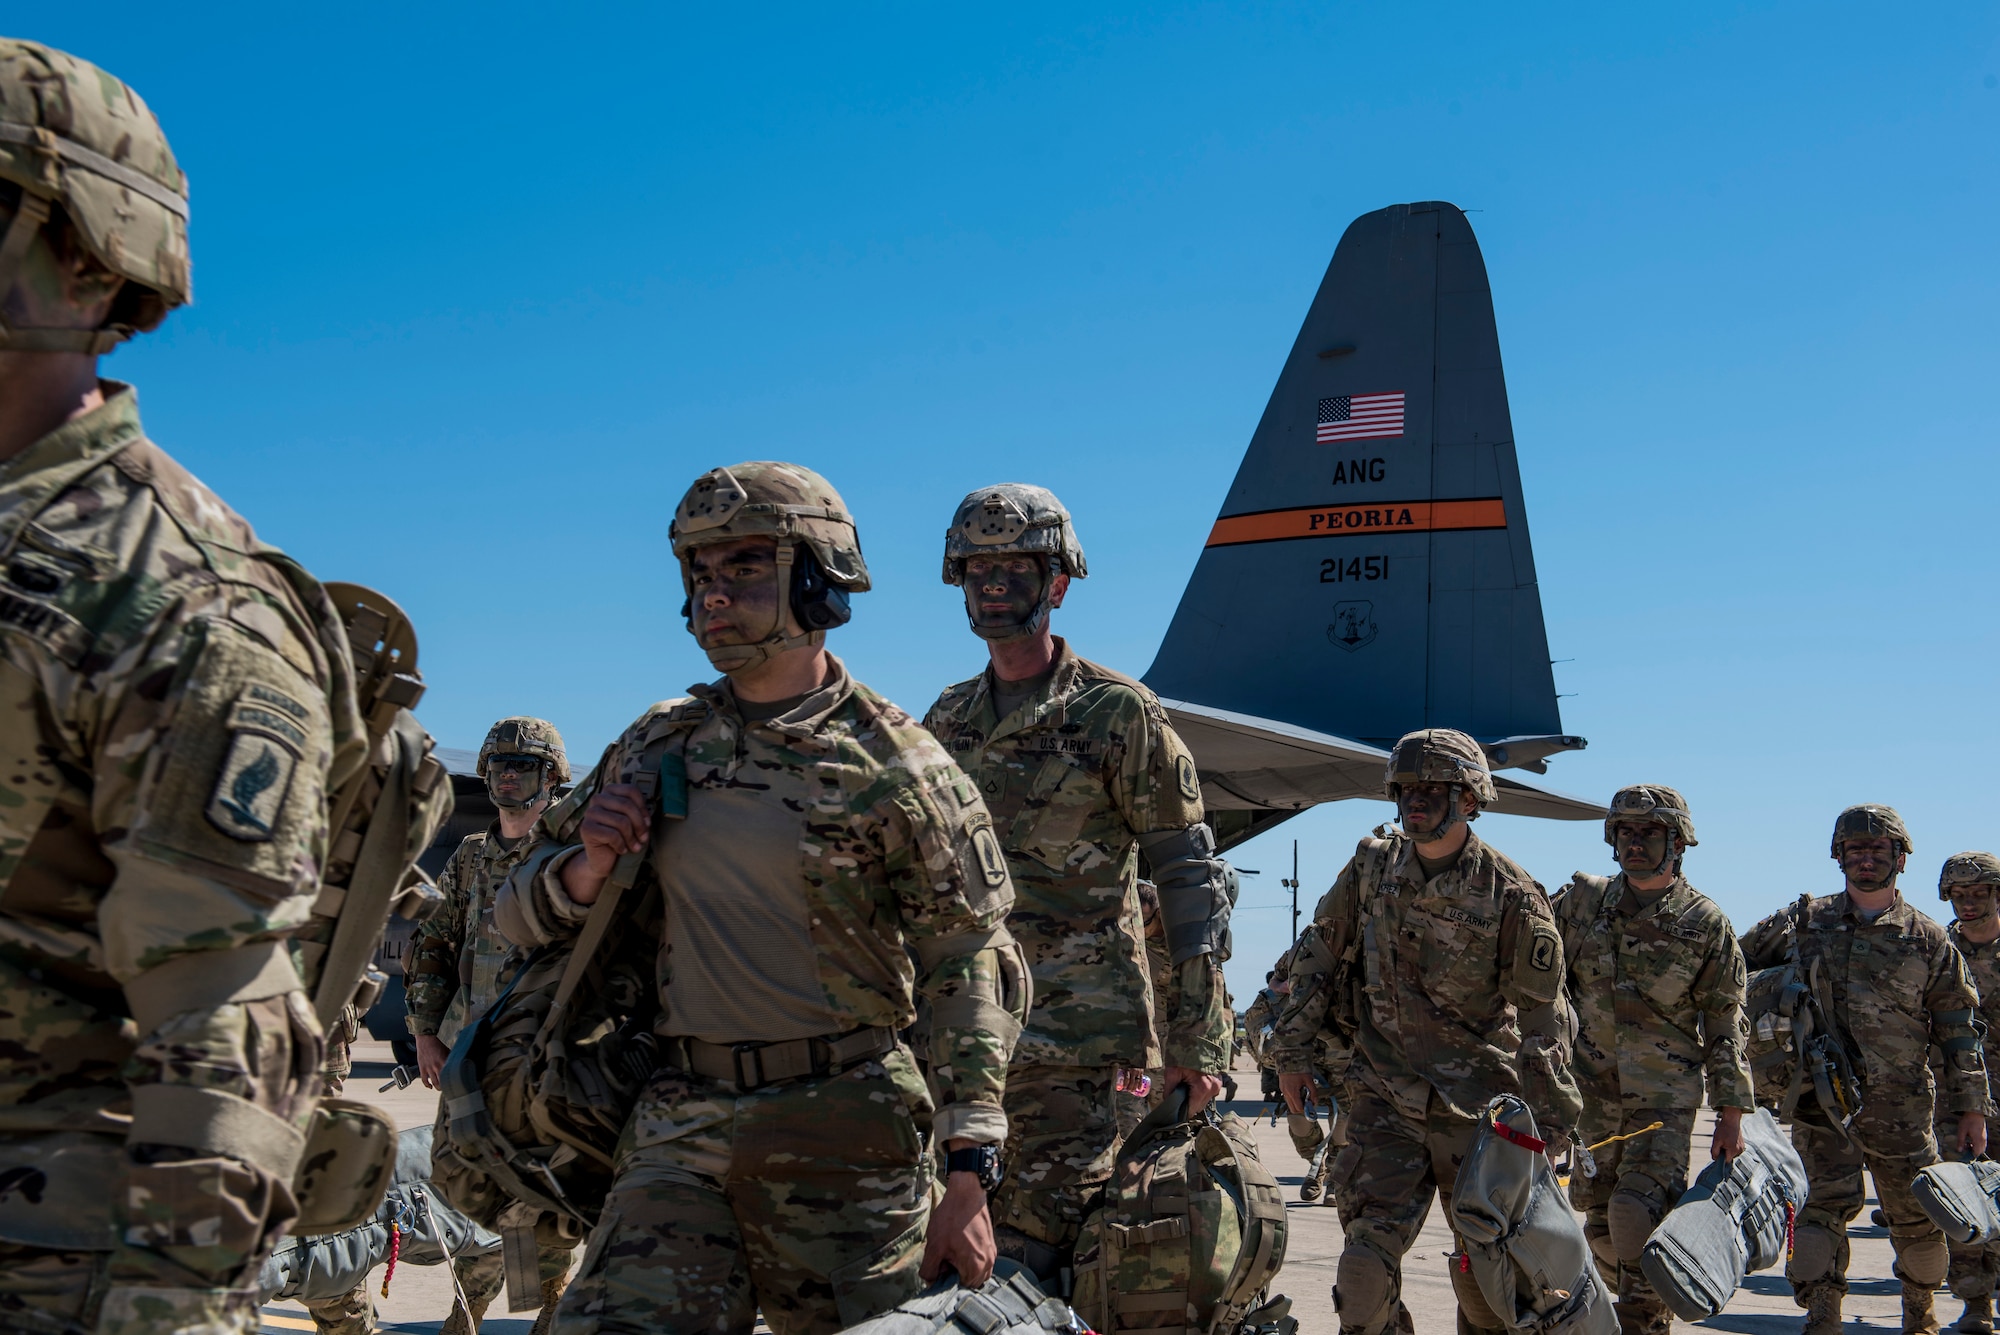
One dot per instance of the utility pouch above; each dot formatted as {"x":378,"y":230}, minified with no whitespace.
{"x":348,"y":1163}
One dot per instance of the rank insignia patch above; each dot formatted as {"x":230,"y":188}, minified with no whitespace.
{"x":250,"y":787}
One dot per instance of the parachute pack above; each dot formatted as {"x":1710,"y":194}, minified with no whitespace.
{"x":1794,"y":1044}
{"x":425,"y":1231}
{"x":1960,"y":1198}
{"x":1008,"y":1303}
{"x":1523,"y":1244}
{"x":1735,"y":1219}
{"x":1190,"y":1233}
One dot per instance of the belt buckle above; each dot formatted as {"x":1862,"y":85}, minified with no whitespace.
{"x":744,"y":1077}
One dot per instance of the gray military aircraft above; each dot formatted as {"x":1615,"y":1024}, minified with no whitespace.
{"x":1370,"y":571}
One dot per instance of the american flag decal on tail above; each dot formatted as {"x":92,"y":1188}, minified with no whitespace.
{"x":1360,"y":417}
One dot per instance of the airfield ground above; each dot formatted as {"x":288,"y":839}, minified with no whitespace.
{"x":420,"y":1296}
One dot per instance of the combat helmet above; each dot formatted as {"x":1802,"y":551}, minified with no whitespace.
{"x":72,"y":137}
{"x":1439,"y":755}
{"x":1970,"y":868}
{"x":1870,"y":821}
{"x":819,"y":548}
{"x":524,"y":736}
{"x":1654,"y":802}
{"x":1011,"y":518}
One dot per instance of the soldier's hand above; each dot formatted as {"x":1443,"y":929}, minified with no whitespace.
{"x":1972,"y":1133}
{"x":960,"y":1233}
{"x":1728,"y":1140}
{"x":1294,"y":1088}
{"x":615,"y":823}
{"x":1202,"y":1087}
{"x":431,"y":1054}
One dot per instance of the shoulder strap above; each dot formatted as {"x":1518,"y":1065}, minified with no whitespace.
{"x":1265,"y":1224}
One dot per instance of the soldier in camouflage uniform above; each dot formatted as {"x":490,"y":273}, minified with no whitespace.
{"x":1657,"y":980}
{"x":459,"y":962}
{"x":1437,"y":960}
{"x":1083,"y":773}
{"x":1892,"y":986}
{"x":833,"y":865}
{"x":1970,"y":882}
{"x":178,"y":702}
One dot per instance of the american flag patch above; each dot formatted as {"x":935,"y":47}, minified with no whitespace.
{"x":1360,"y":417}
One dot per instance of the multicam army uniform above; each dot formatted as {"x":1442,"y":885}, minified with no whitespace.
{"x":1074,"y":776}
{"x":806,"y":1197}
{"x":1974,"y":1266}
{"x":458,"y":964}
{"x":1897,"y":985}
{"x":179,"y":700}
{"x":1451,"y":977}
{"x":1657,"y":983}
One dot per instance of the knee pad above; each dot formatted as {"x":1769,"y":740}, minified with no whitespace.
{"x":1921,"y":1260}
{"x":1602,"y":1252}
{"x":1631,"y":1219}
{"x":1473,"y":1309}
{"x":1363,"y":1289}
{"x":1813,"y":1250}
{"x":1306,"y":1133}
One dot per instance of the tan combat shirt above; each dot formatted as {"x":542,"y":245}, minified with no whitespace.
{"x":1893,"y":981}
{"x":1073,"y":776}
{"x":1443,"y":971}
{"x":893,"y":859}
{"x":459,"y":961}
{"x":1659,"y":990}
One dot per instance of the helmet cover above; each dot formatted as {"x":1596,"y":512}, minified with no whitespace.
{"x":1439,"y":755}
{"x":1651,"y":802}
{"x":1970,"y":868}
{"x":74,"y":137}
{"x":1870,"y":820}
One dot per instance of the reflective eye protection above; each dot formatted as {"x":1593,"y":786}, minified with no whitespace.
{"x":514,"y":764}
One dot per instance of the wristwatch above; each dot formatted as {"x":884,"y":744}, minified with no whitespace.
{"x":982,"y":1161}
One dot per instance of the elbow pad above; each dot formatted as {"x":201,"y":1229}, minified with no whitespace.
{"x":1959,"y":1036}
{"x":1197,"y":890}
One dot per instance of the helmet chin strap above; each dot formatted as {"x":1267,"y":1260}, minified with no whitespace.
{"x":736,"y":657}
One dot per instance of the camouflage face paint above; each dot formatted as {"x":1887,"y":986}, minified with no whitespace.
{"x":1972,"y":903}
{"x":736,"y":598}
{"x":1425,"y":808}
{"x":1003,"y":591}
{"x":1869,"y":864}
{"x":1644,"y":849}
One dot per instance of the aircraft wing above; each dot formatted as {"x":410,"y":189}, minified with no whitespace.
{"x":1257,"y":773}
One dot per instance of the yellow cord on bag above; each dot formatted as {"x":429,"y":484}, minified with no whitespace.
{"x":1629,"y":1135}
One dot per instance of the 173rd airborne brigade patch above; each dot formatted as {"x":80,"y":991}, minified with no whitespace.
{"x":265,"y":739}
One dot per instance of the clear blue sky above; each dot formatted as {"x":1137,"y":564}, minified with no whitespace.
{"x":479,"y":289}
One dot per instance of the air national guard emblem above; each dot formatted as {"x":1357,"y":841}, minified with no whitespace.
{"x":250,"y":787}
{"x":1353,"y":625}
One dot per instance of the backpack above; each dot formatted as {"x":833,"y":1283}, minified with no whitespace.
{"x":537,"y":1090}
{"x":1793,"y":1042}
{"x":1523,"y":1244}
{"x":426,"y":1231}
{"x":1190,"y":1232}
{"x":1735,"y":1219}
{"x":382,"y":818}
{"x":1008,"y":1303}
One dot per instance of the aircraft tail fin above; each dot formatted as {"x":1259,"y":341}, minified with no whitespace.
{"x":1370,"y":571}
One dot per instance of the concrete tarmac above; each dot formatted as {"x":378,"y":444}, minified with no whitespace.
{"x":420,"y":1296}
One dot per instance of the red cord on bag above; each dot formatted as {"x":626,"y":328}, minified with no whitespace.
{"x":1521,"y":1138}
{"x":395,"y":1247}
{"x":1790,"y":1214}
{"x":1464,"y":1262}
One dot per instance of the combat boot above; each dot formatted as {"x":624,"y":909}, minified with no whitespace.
{"x":463,"y":1322}
{"x":1977,"y":1318}
{"x":1823,"y":1311}
{"x":552,"y":1292}
{"x":1919,"y":1309}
